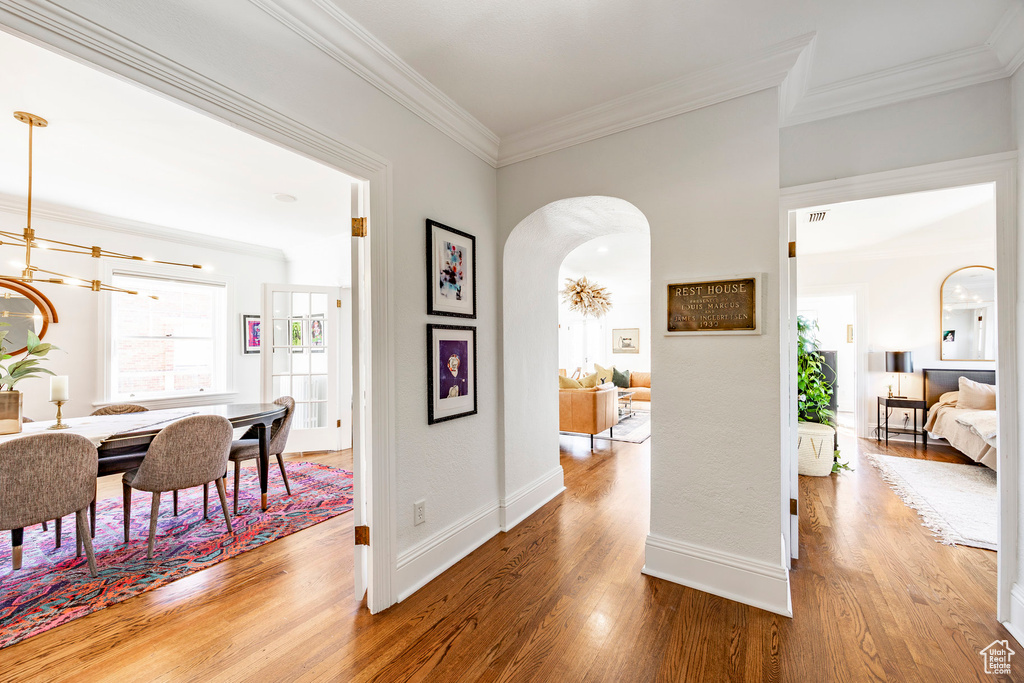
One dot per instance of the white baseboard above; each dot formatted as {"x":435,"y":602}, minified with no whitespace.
{"x":424,"y":562}
{"x":1015,"y":625}
{"x":751,"y":582}
{"x":530,"y":498}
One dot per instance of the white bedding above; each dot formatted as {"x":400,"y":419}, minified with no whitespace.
{"x":972,"y":432}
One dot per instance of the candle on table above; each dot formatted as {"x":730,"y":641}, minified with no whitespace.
{"x":59,"y":388}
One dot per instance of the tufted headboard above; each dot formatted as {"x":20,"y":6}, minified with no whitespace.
{"x":939,"y":381}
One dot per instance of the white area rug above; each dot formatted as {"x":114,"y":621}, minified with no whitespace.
{"x":959,"y":504}
{"x":635,"y":429}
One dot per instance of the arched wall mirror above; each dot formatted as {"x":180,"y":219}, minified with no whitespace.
{"x":24,"y":308}
{"x":968,"y":307}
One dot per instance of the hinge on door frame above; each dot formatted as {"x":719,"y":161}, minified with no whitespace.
{"x":793,"y":510}
{"x":792,"y":250}
{"x":359,"y":227}
{"x":339,"y":423}
{"x":338,"y":305}
{"x":362,"y":535}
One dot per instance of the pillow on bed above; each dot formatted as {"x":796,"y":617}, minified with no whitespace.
{"x":976,"y":396}
{"x":949,"y":399}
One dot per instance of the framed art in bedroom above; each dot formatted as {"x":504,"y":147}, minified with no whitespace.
{"x":451,"y":271}
{"x":451,"y":372}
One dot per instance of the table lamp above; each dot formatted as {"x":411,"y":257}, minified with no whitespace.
{"x":899,"y":362}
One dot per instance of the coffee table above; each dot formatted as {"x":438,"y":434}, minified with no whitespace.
{"x":626,"y":402}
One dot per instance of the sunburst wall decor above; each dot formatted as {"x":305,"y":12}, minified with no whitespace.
{"x":589,"y":298}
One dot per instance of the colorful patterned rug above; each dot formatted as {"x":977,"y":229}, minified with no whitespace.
{"x":54,"y":587}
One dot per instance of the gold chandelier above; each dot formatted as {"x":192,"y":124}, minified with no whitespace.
{"x":29,"y":241}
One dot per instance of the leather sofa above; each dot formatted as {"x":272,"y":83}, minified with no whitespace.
{"x":640,"y":385}
{"x":588,"y":411}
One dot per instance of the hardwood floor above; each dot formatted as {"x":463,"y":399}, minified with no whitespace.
{"x":561,"y":598}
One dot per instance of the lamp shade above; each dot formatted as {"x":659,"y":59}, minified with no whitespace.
{"x":899,"y":361}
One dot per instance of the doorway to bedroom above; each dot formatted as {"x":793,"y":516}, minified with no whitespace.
{"x":894,"y":354}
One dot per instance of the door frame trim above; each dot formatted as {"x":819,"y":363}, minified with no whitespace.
{"x":67,"y":33}
{"x":1000,"y":170}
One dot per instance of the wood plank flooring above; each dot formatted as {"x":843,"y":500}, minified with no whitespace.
{"x":561,"y":598}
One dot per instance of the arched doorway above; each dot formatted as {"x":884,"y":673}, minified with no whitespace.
{"x":530,"y":472}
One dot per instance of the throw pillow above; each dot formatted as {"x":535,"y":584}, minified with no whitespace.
{"x":568,"y":383}
{"x":590,"y":381}
{"x":976,"y":396}
{"x":604,"y":374}
{"x":620,"y":379}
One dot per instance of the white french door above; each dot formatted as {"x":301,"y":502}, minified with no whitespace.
{"x":300,"y":351}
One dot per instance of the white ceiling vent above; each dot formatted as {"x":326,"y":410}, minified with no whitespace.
{"x":816,"y":217}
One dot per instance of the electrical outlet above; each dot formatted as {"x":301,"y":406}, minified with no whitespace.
{"x":419,"y":512}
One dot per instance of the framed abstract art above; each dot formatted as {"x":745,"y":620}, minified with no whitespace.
{"x":451,"y":372}
{"x":250,"y":334}
{"x":451,"y":271}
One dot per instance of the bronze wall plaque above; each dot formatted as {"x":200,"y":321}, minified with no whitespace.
{"x":716,"y":306}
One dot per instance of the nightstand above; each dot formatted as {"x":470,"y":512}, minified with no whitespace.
{"x":885,"y":403}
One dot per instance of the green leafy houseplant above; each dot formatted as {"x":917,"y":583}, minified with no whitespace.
{"x":814,"y":391}
{"x":35,"y":352}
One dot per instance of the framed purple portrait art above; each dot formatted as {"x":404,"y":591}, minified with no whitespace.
{"x":451,"y":377}
{"x":451,"y":271}
{"x":250,"y":334}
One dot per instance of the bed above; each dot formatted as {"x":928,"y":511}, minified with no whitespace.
{"x":972,"y":432}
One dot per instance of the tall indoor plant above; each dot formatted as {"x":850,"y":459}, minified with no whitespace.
{"x":814,"y":391}
{"x":12,"y":373}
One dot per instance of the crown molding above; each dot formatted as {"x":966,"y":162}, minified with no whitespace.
{"x":1000,"y":56}
{"x":63,"y":214}
{"x":1007,"y":40}
{"x":694,"y":91}
{"x":344,"y":40}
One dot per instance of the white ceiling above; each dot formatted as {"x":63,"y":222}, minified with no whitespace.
{"x":899,"y":222}
{"x":620,"y":261}
{"x":515,"y":65}
{"x":115,"y":149}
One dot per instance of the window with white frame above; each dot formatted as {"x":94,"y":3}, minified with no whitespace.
{"x":170,"y":346}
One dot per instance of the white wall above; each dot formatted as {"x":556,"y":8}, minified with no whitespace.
{"x":1017,"y":597}
{"x":624,"y":269}
{"x":242,"y":49}
{"x":79,"y":331}
{"x":902,"y":282}
{"x":708,"y":183}
{"x":960,"y":124}
{"x":833,"y":313}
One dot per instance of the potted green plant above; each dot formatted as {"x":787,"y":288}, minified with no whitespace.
{"x":12,"y":373}
{"x":814,"y":391}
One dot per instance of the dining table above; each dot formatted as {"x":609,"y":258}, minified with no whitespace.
{"x":124,"y":450}
{"x":122,"y":440}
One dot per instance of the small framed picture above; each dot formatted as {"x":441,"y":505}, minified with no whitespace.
{"x":451,"y":271}
{"x":626,"y":340}
{"x":298,"y":336}
{"x":316,"y":334}
{"x":250,"y":334}
{"x":451,"y":373}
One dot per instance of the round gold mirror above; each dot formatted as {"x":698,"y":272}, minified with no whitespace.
{"x":24,"y":309}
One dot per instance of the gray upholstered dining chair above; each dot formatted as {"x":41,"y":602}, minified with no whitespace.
{"x":190,"y":452}
{"x":47,"y":476}
{"x":249,"y":448}
{"x":120,"y":409}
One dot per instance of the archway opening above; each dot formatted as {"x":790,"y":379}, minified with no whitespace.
{"x":531,"y":474}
